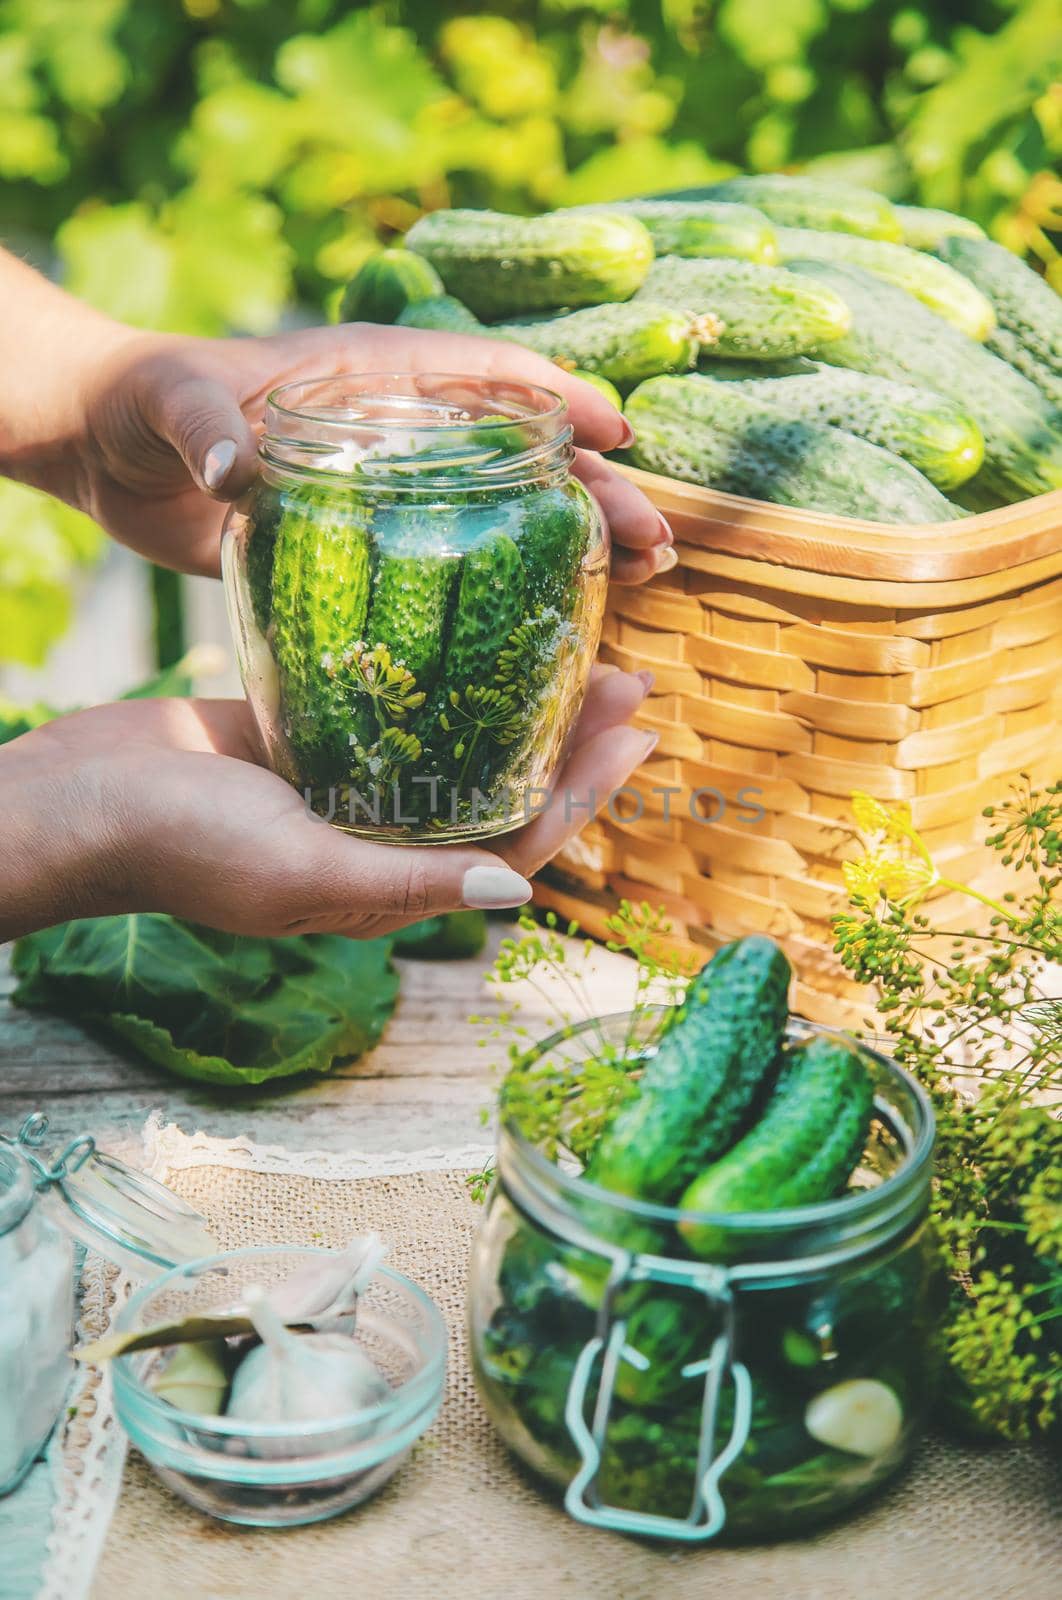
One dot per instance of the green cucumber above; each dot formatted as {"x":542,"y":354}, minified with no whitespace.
{"x":502,"y":265}
{"x":490,"y":603}
{"x":894,"y":336}
{"x":699,"y":1085}
{"x":935,"y":435}
{"x":759,"y":313}
{"x":263,"y":521}
{"x":602,"y":385}
{"x":713,"y":434}
{"x":624,"y":343}
{"x":937,"y":285}
{"x":813,"y":203}
{"x":1011,"y":348}
{"x":553,"y":545}
{"x":411,"y":588}
{"x":803,"y":1147}
{"x":1026,"y":305}
{"x":699,"y":227}
{"x":924,"y":227}
{"x":386,"y":284}
{"x":442,"y":312}
{"x":321,"y":569}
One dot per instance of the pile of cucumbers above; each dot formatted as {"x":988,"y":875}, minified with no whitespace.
{"x":785,"y":338}
{"x":727,"y":1116}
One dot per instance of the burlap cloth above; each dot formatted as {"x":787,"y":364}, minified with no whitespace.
{"x":459,"y":1520}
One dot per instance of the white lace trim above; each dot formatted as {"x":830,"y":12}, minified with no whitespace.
{"x":90,"y":1474}
{"x":168,"y":1149}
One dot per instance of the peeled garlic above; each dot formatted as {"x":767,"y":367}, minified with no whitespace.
{"x":301,"y":1377}
{"x":195,"y":1378}
{"x":861,"y":1415}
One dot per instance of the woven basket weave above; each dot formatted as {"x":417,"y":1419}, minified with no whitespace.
{"x":803,"y":657}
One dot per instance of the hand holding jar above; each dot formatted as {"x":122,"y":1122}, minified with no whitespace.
{"x":165,"y":805}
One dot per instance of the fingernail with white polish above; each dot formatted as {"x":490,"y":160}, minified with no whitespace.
{"x":647,"y":679}
{"x":218,"y":463}
{"x":487,"y":888}
{"x":666,"y":530}
{"x":667,"y":559}
{"x":627,"y":437}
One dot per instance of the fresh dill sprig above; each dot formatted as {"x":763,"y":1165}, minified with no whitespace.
{"x":561,"y":1101}
{"x":969,"y":1012}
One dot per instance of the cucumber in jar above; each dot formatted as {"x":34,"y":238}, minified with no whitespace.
{"x":320,"y":599}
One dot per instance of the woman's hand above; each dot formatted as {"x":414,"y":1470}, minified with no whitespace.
{"x":161,"y":805}
{"x":170,"y":430}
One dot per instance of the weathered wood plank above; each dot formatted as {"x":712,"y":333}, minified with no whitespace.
{"x":424,"y":1084}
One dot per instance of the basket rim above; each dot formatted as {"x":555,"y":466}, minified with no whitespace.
{"x":994,"y":545}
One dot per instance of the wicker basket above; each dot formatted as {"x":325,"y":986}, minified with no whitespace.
{"x":804,"y":657}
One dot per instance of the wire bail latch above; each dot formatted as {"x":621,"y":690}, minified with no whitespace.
{"x":707,"y":1513}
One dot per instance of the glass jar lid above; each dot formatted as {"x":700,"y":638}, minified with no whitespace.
{"x":132,"y":1220}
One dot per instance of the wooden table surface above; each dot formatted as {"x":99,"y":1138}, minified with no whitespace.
{"x":424,"y":1085}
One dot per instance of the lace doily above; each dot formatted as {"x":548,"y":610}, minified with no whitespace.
{"x":91,"y":1453}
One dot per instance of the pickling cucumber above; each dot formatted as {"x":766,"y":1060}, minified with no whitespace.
{"x":623,"y":343}
{"x":501,"y":265}
{"x":410,"y":592}
{"x":813,"y":203}
{"x":802,"y":1148}
{"x":386,"y":284}
{"x":699,"y":227}
{"x":699,"y":1085}
{"x":602,"y":385}
{"x":1026,"y":305}
{"x":923,"y":227}
{"x":321,"y":572}
{"x":1012,"y":349}
{"x":553,"y":545}
{"x":713,"y":434}
{"x":760,"y":313}
{"x":935,"y":435}
{"x":943,"y":290}
{"x":490,"y":603}
{"x":443,"y":313}
{"x":894,"y":336}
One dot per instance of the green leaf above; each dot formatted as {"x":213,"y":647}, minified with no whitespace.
{"x":640,"y":166}
{"x":42,"y":544}
{"x":205,"y":263}
{"x":215,"y":1007}
{"x":452,"y":937}
{"x":360,"y":90}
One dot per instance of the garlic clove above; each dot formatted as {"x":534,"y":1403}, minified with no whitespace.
{"x":195,"y":1379}
{"x":293,"y":1378}
{"x":861,"y":1415}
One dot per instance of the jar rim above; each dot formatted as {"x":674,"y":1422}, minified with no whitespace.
{"x":392,"y":386}
{"x":419,"y":434}
{"x":869,"y":1206}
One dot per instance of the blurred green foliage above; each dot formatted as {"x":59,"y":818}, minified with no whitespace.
{"x":202,"y":164}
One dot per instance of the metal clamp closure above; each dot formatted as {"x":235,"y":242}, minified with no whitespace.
{"x":707,"y":1513}
{"x":30,"y":1137}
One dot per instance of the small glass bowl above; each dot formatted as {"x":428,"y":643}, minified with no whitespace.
{"x":280,"y":1475}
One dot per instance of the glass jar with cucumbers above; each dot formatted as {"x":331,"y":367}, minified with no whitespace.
{"x":703,"y":1298}
{"x":416,"y":586}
